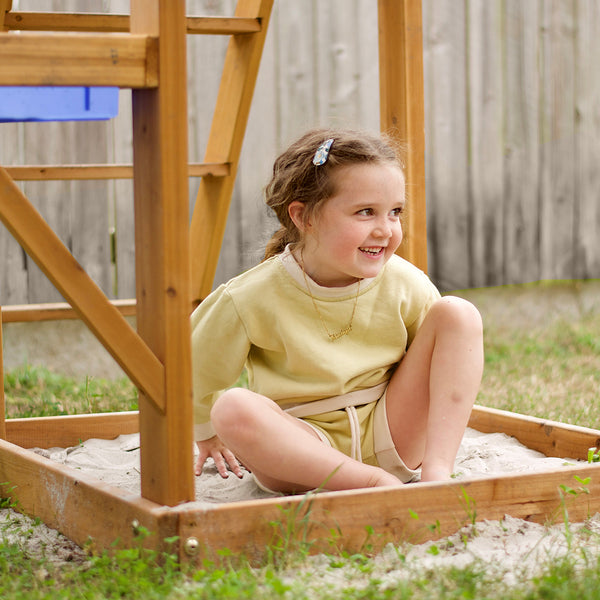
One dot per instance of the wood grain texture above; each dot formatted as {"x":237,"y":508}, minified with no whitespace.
{"x":402,"y":112}
{"x":80,"y":506}
{"x":100,"y":171}
{"x":78,"y":59}
{"x":113,"y":23}
{"x":412,"y":513}
{"x":56,"y":311}
{"x":69,"y":431}
{"x":162,"y":253}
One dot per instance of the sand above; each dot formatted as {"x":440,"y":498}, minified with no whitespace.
{"x":116,"y":462}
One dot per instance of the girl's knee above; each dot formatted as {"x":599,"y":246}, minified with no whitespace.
{"x":229,"y":409}
{"x":458,"y":313}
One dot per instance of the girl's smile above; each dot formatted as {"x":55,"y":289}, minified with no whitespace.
{"x":357,"y":229}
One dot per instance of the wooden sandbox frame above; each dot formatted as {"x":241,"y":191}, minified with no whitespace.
{"x":132,"y":52}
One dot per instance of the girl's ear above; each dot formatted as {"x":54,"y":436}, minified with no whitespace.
{"x":296,"y":211}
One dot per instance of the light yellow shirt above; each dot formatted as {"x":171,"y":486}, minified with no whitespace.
{"x":265,"y":320}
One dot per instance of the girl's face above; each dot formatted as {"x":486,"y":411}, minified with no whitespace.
{"x":358,"y":229}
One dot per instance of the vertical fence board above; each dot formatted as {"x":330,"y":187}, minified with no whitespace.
{"x":521,"y":110}
{"x":119,"y":134}
{"x":89,"y":203}
{"x":45,"y":143}
{"x":587,"y":201}
{"x":368,"y":66}
{"x":486,"y":152}
{"x":13,"y":274}
{"x":557,"y":142}
{"x":295,"y":47}
{"x":446,"y":161}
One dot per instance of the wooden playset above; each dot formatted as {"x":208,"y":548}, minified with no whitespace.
{"x":145,"y":52}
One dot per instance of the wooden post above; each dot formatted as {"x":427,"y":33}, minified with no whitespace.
{"x":225,"y":145}
{"x":402,"y":113}
{"x":5,"y":6}
{"x":2,"y":403}
{"x":162,"y":247}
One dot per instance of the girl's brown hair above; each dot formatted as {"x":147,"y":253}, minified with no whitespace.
{"x":295,"y":177}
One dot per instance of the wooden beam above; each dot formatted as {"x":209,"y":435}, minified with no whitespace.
{"x":110,"y":23}
{"x":104,"y":320}
{"x":240,"y":70}
{"x":162,"y":253}
{"x":76,"y":172}
{"x":412,"y":513}
{"x":5,"y":6}
{"x":86,"y":59}
{"x":68,"y":431}
{"x":549,"y":437}
{"x":56,"y":311}
{"x":402,"y":112}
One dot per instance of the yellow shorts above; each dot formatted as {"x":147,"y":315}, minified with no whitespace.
{"x":376,"y":445}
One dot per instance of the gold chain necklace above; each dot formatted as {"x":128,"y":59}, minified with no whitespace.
{"x":345,"y":330}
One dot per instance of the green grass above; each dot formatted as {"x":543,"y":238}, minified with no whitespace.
{"x":38,"y":392}
{"x":551,"y":372}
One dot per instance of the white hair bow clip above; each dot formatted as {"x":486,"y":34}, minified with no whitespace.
{"x":322,"y":153}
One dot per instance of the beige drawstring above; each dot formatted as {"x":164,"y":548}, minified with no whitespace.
{"x":355,"y":451}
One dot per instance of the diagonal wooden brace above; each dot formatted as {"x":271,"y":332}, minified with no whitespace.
{"x":104,"y":320}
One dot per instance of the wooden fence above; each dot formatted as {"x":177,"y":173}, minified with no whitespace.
{"x":512,"y":139}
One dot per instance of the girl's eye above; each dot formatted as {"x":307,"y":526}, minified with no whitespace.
{"x":365,"y":212}
{"x":396,"y":212}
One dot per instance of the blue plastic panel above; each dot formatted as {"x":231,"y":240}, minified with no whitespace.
{"x":58,"y":103}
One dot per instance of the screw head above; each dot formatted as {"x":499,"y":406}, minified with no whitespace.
{"x":191,"y":546}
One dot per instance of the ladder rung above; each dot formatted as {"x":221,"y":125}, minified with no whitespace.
{"x":83,"y":172}
{"x":55,"y":311}
{"x":92,"y":22}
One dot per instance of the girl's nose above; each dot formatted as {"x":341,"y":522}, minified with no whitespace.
{"x":383,"y":229}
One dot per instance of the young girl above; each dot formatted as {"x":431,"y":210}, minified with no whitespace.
{"x":359,"y":373}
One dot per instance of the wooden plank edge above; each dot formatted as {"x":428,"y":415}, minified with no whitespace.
{"x":115,"y":23}
{"x":412,"y":513}
{"x":56,"y":311}
{"x":70,"y":430}
{"x":81,"y":507}
{"x":551,"y":438}
{"x":79,"y":59}
{"x":100,"y":172}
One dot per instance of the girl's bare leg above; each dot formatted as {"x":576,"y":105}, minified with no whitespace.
{"x":431,"y":394}
{"x":284,"y":453}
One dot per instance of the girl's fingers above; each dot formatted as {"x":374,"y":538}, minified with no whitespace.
{"x":199,"y":465}
{"x":233,"y":463}
{"x":220,"y":464}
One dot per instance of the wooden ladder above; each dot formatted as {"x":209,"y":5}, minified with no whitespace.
{"x":146,"y":52}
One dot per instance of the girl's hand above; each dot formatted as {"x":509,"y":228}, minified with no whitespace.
{"x":223,"y":457}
